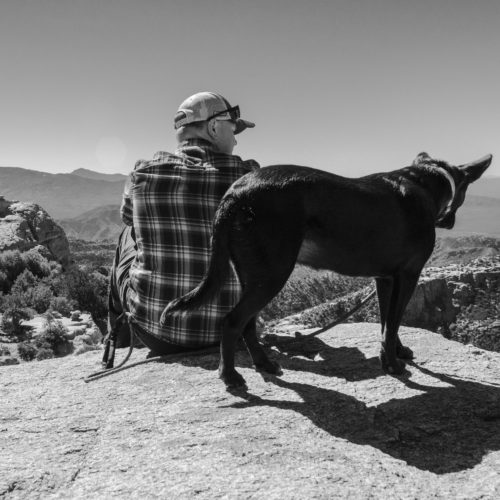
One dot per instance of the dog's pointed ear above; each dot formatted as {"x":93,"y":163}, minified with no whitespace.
{"x":476,"y":169}
{"x":421,"y":157}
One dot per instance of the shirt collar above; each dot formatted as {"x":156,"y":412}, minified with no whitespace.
{"x":195,"y":147}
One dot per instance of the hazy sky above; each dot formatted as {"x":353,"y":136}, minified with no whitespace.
{"x":353,"y":86}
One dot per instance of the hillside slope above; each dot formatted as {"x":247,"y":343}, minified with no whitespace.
{"x":99,"y":224}
{"x":332,"y":426}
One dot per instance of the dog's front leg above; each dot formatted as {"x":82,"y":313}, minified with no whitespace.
{"x":384,"y":293}
{"x":403,"y":286}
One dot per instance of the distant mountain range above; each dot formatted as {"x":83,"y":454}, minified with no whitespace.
{"x":86,"y":203}
{"x":90,"y":174}
{"x":62,"y":195}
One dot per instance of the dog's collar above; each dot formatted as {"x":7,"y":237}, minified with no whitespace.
{"x":452,"y":186}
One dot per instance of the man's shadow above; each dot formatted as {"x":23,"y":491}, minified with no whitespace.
{"x":441,"y":430}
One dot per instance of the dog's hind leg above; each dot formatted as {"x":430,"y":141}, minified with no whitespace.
{"x":384,"y":292}
{"x":256,"y":295}
{"x":403,"y":287}
{"x":259,"y":356}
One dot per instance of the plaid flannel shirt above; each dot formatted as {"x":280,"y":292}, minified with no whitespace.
{"x":171,"y":201}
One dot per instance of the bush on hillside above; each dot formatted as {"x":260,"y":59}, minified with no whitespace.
{"x":32,"y":292}
{"x":27,"y":351}
{"x":89,"y":290}
{"x":11,"y":265}
{"x":44,"y":353}
{"x":53,"y":337}
{"x":14,"y":262}
{"x":36,"y":263}
{"x":62,"y":305}
{"x":14,"y":312}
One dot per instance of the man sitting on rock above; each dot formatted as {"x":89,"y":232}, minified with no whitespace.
{"x":168,"y":206}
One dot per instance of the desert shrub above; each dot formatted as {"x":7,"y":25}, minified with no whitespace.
{"x":62,"y":305}
{"x":53,"y":337}
{"x":24,"y":282}
{"x":4,"y":351}
{"x":36,"y":263}
{"x":14,"y":312}
{"x":11,"y":265}
{"x":52,"y":334}
{"x":44,"y":353}
{"x":26,"y":351}
{"x":40,"y":298}
{"x":32,"y":292}
{"x":90,"y":292}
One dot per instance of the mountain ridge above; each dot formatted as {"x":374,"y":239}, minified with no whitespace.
{"x":71,"y":198}
{"x":62,"y":195}
{"x":92,"y":174}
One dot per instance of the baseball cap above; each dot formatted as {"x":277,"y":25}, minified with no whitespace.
{"x":204,"y":106}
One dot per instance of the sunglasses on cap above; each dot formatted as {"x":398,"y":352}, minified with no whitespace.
{"x":228,"y":114}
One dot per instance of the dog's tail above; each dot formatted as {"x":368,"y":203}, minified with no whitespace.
{"x":218,"y":267}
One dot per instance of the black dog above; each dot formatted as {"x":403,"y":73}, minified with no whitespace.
{"x":381,"y":225}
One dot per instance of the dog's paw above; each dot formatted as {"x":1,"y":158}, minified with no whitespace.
{"x":405,"y":352}
{"x":269,"y":366}
{"x":232,"y":379}
{"x":397,"y":367}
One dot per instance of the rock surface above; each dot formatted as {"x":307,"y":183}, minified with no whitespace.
{"x":24,"y":225}
{"x":332,"y":426}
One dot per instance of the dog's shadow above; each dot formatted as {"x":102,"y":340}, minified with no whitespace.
{"x":315,"y":356}
{"x":441,"y":430}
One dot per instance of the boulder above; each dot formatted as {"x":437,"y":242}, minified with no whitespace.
{"x":431,"y":305}
{"x":24,"y":225}
{"x":75,"y":315}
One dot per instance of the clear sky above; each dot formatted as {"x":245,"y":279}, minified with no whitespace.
{"x":349,"y":86}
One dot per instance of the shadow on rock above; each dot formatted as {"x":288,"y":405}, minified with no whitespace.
{"x":442,"y":430}
{"x":315,"y":356}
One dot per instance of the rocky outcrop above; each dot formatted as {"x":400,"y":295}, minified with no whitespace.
{"x":460,"y":301}
{"x":332,"y":426}
{"x":24,"y":225}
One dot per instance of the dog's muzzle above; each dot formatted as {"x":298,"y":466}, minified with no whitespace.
{"x":447,"y":221}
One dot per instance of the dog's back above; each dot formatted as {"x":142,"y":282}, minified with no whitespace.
{"x":363,"y":227}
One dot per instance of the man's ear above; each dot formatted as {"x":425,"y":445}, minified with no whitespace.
{"x":476,"y":169}
{"x":421,"y":157}
{"x":212,"y":129}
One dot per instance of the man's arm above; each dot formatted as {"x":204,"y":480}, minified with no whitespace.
{"x":127,"y":208}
